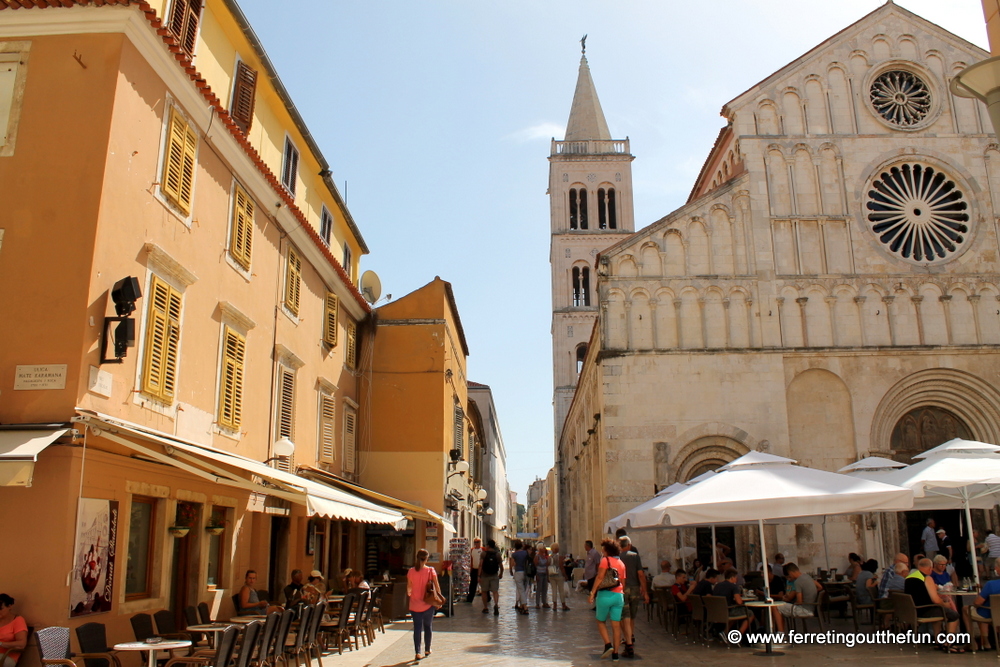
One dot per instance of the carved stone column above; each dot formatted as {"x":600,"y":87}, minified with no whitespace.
{"x":677,"y":322}
{"x":725,"y":314}
{"x":802,"y":301}
{"x":831,"y":304}
{"x":628,"y":324}
{"x":704,"y":323}
{"x":780,"y":300}
{"x":750,"y":327}
{"x":974,"y":301}
{"x":887,"y":300}
{"x":917,"y":300}
{"x":860,"y":303}
{"x":945,"y":300}
{"x":652,"y":316}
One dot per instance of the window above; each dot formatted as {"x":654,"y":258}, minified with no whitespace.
{"x":216,"y":548}
{"x":177,"y":179}
{"x":347,"y":262}
{"x":285,"y":408}
{"x":607,"y":215}
{"x":578,"y":208}
{"x":290,"y":166}
{"x":293,"y":281}
{"x":163,"y":334}
{"x":350,"y":354}
{"x":244,"y":96}
{"x":350,"y":426}
{"x":459,"y":429}
{"x":327,"y":423}
{"x":325,"y":225}
{"x":241,"y":236}
{"x":184,"y":18}
{"x":231,"y":381}
{"x":581,"y":354}
{"x":139,"y":565}
{"x":331,"y":311}
{"x":581,"y":286}
{"x":10,"y":63}
{"x":900,"y":97}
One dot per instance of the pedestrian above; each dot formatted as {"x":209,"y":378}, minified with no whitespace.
{"x":635,"y":588}
{"x":476,"y":558}
{"x":929,"y":539}
{"x":490,"y":574}
{"x":557,"y":579}
{"x":993,"y":544}
{"x":542,"y":560}
{"x":590,"y":569}
{"x":608,"y":594}
{"x":944,"y":545}
{"x":530,"y":569}
{"x":420,"y":580}
{"x":517,"y":562}
{"x":697,"y":570}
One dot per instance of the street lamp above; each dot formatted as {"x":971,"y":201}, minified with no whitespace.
{"x":982,"y":82}
{"x":283,"y":448}
{"x":461,"y":467}
{"x":481,"y":494}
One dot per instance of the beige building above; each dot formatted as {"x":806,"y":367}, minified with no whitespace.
{"x":828,"y":292}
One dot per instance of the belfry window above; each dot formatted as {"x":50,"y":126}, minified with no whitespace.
{"x":607,"y":216}
{"x":578,"y":208}
{"x":581,"y":286}
{"x":581,"y":354}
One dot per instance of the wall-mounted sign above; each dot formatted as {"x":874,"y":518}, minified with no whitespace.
{"x":100,"y":382}
{"x":49,"y":376}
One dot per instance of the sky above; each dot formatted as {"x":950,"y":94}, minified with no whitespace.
{"x":436,"y":118}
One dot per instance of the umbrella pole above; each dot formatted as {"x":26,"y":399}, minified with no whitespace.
{"x":763,"y":563}
{"x":715,"y":550}
{"x":972,"y":542}
{"x":826,"y":545}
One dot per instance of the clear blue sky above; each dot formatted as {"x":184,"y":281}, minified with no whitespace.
{"x":438,"y":114}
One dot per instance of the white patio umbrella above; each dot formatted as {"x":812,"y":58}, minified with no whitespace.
{"x":760,"y":486}
{"x":960,"y":474}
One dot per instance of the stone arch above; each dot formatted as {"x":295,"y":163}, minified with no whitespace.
{"x":723,"y":254}
{"x":673,"y":244}
{"x":830,"y":183}
{"x":705,"y":445}
{"x":820,"y":419}
{"x":615,"y":324}
{"x":989,"y":313}
{"x":965,"y":108}
{"x":859,"y":61}
{"x":875,"y":316}
{"x":690,"y":314}
{"x":881,"y":48}
{"x":649,"y":259}
{"x":739,"y":318}
{"x":816,"y":117}
{"x":715,"y":318}
{"x":791,"y":111}
{"x":791,"y":318}
{"x":840,"y":99}
{"x":627,"y":267}
{"x":641,"y":322}
{"x":767,"y":118}
{"x":970,"y":398}
{"x":846,"y":317}
{"x":904,"y":316}
{"x":932,"y":315}
{"x":699,"y":248}
{"x":961,"y":314}
{"x":666,"y":320}
{"x":806,"y":192}
{"x":818,"y":318}
{"x":908,"y":48}
{"x":781,"y":189}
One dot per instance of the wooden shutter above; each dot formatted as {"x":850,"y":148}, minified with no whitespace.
{"x":231,"y":382}
{"x":290,"y":168}
{"x":286,"y":412}
{"x":330,"y":319}
{"x":177,"y":180}
{"x":293,"y":281}
{"x":350,"y":424}
{"x":459,"y":429}
{"x":241,"y":241}
{"x":244,"y":96}
{"x":184,"y":18}
{"x":352,"y":343}
{"x":159,"y":368}
{"x":327,"y":423}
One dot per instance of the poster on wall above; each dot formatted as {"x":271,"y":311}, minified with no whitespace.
{"x":92,"y":586}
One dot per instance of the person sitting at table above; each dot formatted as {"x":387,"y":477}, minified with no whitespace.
{"x":250,"y":602}
{"x":980,"y":609}
{"x":891,"y":577}
{"x":729,"y":589}
{"x":682,"y":589}
{"x":777,"y":567}
{"x":941,"y":573}
{"x":357,"y":580}
{"x":13,"y":633}
{"x":916,"y":559}
{"x":866,"y":583}
{"x":345,"y":580}
{"x":697,"y":571}
{"x":312,"y":592}
{"x":854,"y":562}
{"x":706,"y":585}
{"x":666,"y":578}
{"x":293,"y":591}
{"x":921,"y":587}
{"x":799,"y":600}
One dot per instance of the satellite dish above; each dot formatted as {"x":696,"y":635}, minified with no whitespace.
{"x":371,"y":286}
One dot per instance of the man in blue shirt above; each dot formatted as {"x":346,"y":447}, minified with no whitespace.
{"x":891,"y":580}
{"x":981,"y":611}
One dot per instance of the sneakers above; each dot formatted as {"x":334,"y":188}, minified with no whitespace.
{"x":614,"y":657}
{"x":485,"y":610}
{"x":496,"y":610}
{"x":629,"y":651}
{"x":608,"y":650}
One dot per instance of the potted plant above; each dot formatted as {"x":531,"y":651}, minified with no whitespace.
{"x":186,"y":516}
{"x":179,"y":531}
{"x":215,"y":528}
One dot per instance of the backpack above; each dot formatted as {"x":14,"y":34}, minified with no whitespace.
{"x":529,"y":568}
{"x":491,"y":562}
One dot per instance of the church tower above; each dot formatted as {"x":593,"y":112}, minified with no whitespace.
{"x":590,"y":198}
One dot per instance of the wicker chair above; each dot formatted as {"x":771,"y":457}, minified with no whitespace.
{"x":717,"y":611}
{"x":356,"y":628}
{"x":281,"y":637}
{"x":266,"y":640}
{"x":225,"y":648}
{"x":994,"y":620}
{"x":248,"y":648}
{"x":191,"y":618}
{"x":167,"y":627}
{"x":817,"y":608}
{"x":298,"y":646}
{"x":858,"y":607}
{"x":669,"y":610}
{"x":204,"y":614}
{"x":907,"y":613}
{"x":340,"y":631}
{"x":311,"y":643}
{"x":94,"y":647}
{"x":377,"y":619}
{"x":53,"y":645}
{"x":697,"y":616}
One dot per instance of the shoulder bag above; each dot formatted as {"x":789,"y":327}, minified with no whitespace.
{"x":610,"y":579}
{"x":432,"y":595}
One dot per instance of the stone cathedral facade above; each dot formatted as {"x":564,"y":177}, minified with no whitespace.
{"x":830,"y":290}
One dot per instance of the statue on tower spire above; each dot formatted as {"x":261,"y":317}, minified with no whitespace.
{"x":583,"y":45}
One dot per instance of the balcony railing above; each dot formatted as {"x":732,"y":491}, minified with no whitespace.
{"x":591,"y":147}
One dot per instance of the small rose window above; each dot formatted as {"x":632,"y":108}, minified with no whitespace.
{"x":901,"y":97}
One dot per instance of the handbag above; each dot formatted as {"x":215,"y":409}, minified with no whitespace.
{"x":610,"y":579}
{"x":554,"y":571}
{"x":431,"y":595}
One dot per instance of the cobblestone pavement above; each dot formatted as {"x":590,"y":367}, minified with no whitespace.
{"x":472,"y":639}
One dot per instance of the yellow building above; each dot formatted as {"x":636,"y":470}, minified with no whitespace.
{"x":155,"y":142}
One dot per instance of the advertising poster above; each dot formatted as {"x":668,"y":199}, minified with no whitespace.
{"x":92,"y":586}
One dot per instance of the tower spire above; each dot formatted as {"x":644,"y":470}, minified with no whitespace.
{"x":586,"y":118}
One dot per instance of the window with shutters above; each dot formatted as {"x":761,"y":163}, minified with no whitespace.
{"x":13,"y":65}
{"x":177,"y":179}
{"x":348,"y":267}
{"x":351,"y":351}
{"x":350,"y":429}
{"x":290,"y":165}
{"x":293,"y":281}
{"x":330,"y":319}
{"x":244,"y":96}
{"x":326,"y":225}
{"x":327,"y":423}
{"x":163,"y":334}
{"x":231,"y":380}
{"x":185,"y":15}
{"x":459,"y":429}
{"x":241,"y":236}
{"x":285,"y":412}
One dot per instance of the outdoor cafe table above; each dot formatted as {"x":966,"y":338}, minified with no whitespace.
{"x":768,"y":647}
{"x":210,"y":629}
{"x":960,"y":595}
{"x":165,"y":645}
{"x":244,"y":620}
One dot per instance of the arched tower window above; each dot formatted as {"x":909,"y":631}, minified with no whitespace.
{"x":581,"y":354}
{"x":581,"y":286}
{"x":578,"y":208}
{"x":607,"y":216}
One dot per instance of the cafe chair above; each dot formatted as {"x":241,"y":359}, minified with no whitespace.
{"x":191,"y":618}
{"x":53,"y":645}
{"x":311,"y":643}
{"x":247,"y":649}
{"x":817,"y":608}
{"x":94,"y":648}
{"x":225,"y":648}
{"x":269,"y":628}
{"x":377,"y":619}
{"x":281,"y":636}
{"x":204,"y":615}
{"x":907,"y":613}
{"x":697,"y":624}
{"x":993,"y":621}
{"x":717,"y":612}
{"x":857,"y":608}
{"x":296,"y":648}
{"x":339,"y":631}
{"x":356,"y":630}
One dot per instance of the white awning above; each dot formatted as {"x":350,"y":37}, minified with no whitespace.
{"x":19,"y":450}
{"x":320,"y":499}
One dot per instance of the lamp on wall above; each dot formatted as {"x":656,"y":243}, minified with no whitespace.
{"x":283,"y":448}
{"x":481,"y":494}
{"x":124,"y":294}
{"x":460,"y":468}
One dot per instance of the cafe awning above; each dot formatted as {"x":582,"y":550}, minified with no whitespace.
{"x":409,"y":510}
{"x":229,"y":469}
{"x":19,"y":450}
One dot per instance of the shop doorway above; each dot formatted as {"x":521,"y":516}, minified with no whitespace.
{"x":185,"y":575}
{"x":277,"y":567}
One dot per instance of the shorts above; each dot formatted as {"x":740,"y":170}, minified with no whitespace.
{"x":789,"y":610}
{"x":935,"y":612}
{"x":609,"y":604}
{"x":739,"y":612}
{"x":977,"y":615}
{"x":630,"y":608}
{"x":489,"y":583}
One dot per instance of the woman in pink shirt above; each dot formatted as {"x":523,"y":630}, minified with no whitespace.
{"x":418,"y":579}
{"x":13,"y":633}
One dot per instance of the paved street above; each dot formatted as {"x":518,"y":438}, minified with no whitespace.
{"x":472,"y":638}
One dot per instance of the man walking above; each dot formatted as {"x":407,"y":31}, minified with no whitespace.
{"x":490,"y":573}
{"x":635,"y":587}
{"x":929,"y":539}
{"x":517,"y":563}
{"x":591,"y":564}
{"x":477,"y":558}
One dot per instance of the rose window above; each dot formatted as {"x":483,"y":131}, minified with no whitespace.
{"x":918,"y":213}
{"x":900,"y":97}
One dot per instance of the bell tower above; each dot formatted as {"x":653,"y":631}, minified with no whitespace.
{"x":590,"y":202}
